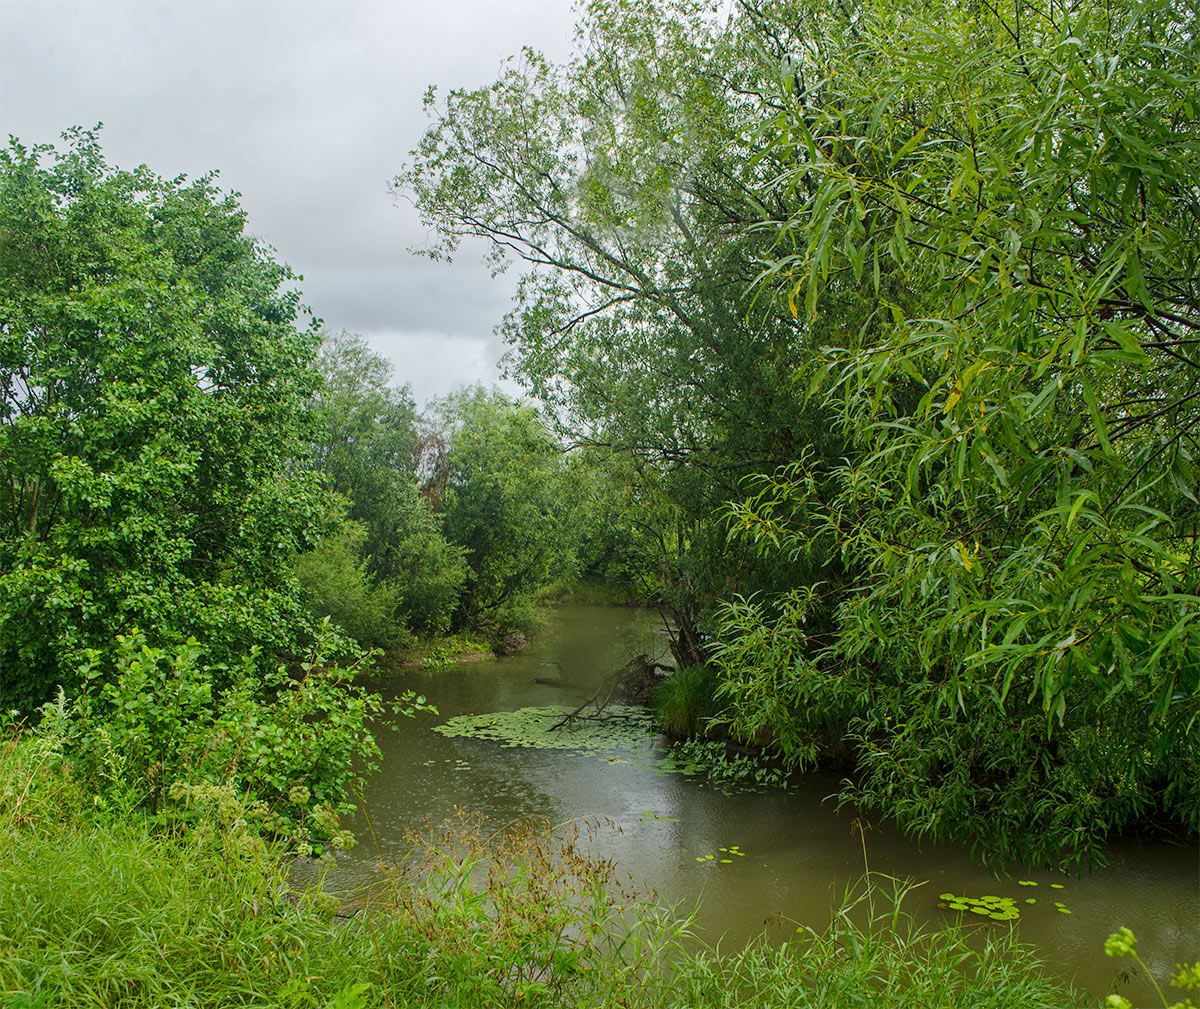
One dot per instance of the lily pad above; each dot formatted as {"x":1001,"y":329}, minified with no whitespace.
{"x":622,"y":727}
{"x":988,"y":906}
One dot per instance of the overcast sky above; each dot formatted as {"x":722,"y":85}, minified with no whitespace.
{"x":306,"y":108}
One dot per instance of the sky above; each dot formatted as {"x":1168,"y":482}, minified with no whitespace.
{"x":308,"y":108}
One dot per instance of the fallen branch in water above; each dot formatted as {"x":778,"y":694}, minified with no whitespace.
{"x":639,"y":667}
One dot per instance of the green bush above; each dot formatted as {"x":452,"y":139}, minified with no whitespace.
{"x":147,"y":471}
{"x":159,"y":730}
{"x":335,"y":583}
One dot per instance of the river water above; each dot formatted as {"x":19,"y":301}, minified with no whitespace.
{"x":800,"y":851}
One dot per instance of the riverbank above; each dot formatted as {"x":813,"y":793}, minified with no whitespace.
{"x":98,"y":908}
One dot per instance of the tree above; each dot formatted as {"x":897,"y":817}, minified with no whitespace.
{"x":626,"y":182}
{"x":1018,"y":659}
{"x":151,"y":380}
{"x":502,"y":481}
{"x":365,"y":444}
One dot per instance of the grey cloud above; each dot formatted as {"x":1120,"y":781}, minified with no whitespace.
{"x":307,"y":109}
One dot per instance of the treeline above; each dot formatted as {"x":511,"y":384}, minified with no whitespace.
{"x":462,"y":518}
{"x":892,"y":316}
{"x":211,"y":510}
{"x":180,"y":456}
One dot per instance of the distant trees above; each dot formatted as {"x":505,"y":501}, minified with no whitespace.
{"x":394,"y":572}
{"x":501,"y":478}
{"x":458,"y":519}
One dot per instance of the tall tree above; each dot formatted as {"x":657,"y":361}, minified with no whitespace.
{"x":151,"y":380}
{"x":366,"y":436}
{"x":1018,"y":660}
{"x":626,"y":182}
{"x":502,"y":483}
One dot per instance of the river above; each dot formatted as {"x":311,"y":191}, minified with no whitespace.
{"x":800,"y":852}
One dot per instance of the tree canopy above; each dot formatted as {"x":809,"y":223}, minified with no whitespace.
{"x":1020,"y":502}
{"x":890,"y":312}
{"x":151,"y":380}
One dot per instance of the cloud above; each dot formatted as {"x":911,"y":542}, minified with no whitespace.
{"x":307,"y":109}
{"x":436,"y":363}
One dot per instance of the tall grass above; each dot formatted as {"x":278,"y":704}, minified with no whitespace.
{"x":99,"y":910}
{"x":684,"y":702}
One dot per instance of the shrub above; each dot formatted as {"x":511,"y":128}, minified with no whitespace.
{"x":159,"y":730}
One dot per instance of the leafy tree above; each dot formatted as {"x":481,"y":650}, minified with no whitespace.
{"x":502,"y":480}
{"x":335,"y":583}
{"x":626,"y":182}
{"x":365,"y":443}
{"x":1018,"y":659}
{"x":151,"y":377}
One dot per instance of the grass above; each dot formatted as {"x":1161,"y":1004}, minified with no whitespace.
{"x":99,"y":910}
{"x":684,"y":701}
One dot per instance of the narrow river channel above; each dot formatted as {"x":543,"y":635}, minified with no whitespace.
{"x":800,"y":851}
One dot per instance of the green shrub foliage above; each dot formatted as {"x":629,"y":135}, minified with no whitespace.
{"x":158,"y":729}
{"x":1018,"y":659}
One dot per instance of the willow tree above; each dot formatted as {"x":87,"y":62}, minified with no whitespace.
{"x":625,"y":183}
{"x":1018,"y":662}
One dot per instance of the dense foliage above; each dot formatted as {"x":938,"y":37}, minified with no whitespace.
{"x":500,"y":480}
{"x":151,"y":377}
{"x":1018,"y":662}
{"x":623,"y":182}
{"x":931,"y":275}
{"x":154,"y":392}
{"x":392,"y":571}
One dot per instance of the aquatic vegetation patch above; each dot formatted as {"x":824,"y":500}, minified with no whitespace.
{"x":993,"y":907}
{"x":620,"y":727}
{"x":722,"y":857}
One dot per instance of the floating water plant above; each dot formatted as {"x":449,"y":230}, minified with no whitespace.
{"x":990,"y":906}
{"x":618,"y":727}
{"x":731,"y":850}
{"x":994,"y":907}
{"x":621,"y":727}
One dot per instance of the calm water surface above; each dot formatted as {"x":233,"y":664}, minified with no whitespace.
{"x":801,"y":853}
